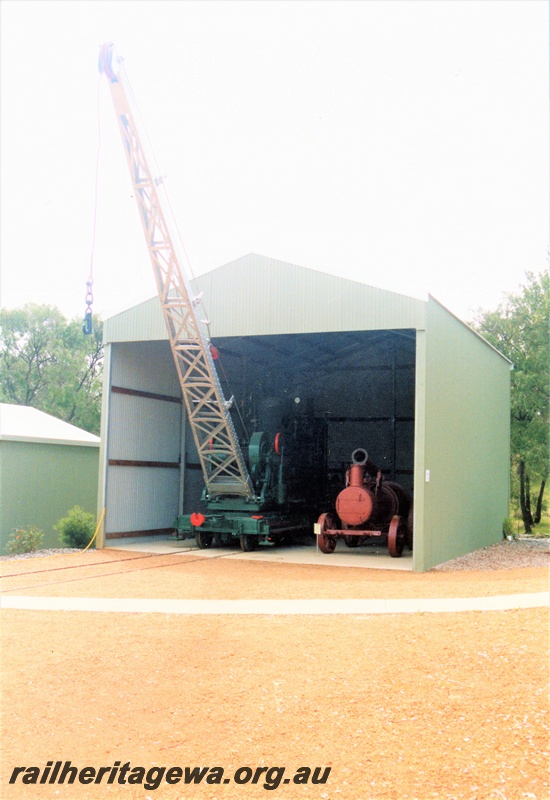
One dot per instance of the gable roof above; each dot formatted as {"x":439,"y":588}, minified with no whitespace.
{"x":256,"y":295}
{"x":27,"y":424}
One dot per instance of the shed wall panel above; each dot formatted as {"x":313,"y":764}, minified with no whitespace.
{"x":285,"y":298}
{"x":141,"y":499}
{"x":149,"y":368}
{"x":143,"y":431}
{"x":42,"y":482}
{"x":467,"y":440}
{"x":141,"y":323}
{"x":255,"y":295}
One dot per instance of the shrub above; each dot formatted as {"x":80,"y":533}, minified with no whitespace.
{"x":508,"y":528}
{"x":77,"y":528}
{"x":24,"y":540}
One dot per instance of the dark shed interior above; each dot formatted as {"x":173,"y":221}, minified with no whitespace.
{"x":331,"y":393}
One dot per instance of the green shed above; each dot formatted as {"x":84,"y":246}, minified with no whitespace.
{"x":46,"y":467}
{"x":404,"y":378}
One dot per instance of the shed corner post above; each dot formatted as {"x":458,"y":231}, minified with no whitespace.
{"x":183,"y":458}
{"x":103,"y":447}
{"x":420,"y":548}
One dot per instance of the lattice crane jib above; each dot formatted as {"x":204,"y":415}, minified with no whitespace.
{"x":220,"y":455}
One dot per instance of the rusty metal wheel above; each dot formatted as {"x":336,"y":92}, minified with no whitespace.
{"x":326,"y":542}
{"x":396,"y":537}
{"x":352,"y":541}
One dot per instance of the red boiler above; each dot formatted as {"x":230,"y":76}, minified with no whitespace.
{"x":368,"y":506}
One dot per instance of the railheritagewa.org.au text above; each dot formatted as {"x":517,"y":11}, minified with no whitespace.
{"x":64,"y":772}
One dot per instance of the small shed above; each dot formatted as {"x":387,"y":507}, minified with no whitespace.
{"x":404,"y":378}
{"x":46,"y":467}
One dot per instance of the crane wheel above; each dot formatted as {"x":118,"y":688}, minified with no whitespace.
{"x":203,"y":540}
{"x":248,"y":543}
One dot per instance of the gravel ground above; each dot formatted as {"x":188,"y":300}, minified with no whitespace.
{"x":504,"y":555}
{"x":53,"y":551}
{"x":401,"y":707}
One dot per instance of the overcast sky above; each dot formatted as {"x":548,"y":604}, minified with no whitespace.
{"x":400,"y":144}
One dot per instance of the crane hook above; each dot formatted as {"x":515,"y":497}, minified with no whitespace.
{"x":87,"y":327}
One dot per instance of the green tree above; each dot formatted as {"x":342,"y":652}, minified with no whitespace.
{"x":48,"y":363}
{"x":520,"y":329}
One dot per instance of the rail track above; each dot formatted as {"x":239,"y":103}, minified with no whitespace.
{"x":172,"y":558}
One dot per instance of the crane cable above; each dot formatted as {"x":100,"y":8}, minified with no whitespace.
{"x":87,"y":328}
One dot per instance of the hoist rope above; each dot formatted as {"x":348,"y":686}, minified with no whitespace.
{"x":87,"y":327}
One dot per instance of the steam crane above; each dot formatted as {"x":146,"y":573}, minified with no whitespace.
{"x":238,"y":505}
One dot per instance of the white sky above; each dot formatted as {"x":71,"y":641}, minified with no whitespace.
{"x":401,"y":144}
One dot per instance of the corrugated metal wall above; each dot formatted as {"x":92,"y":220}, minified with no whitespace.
{"x":42,"y":482}
{"x":285,"y":298}
{"x":142,"y":442}
{"x":466,"y":443}
{"x":258,"y":296}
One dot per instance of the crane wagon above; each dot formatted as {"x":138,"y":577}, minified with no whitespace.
{"x":257,"y":500}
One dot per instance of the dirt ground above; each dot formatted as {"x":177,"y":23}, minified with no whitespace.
{"x":399,"y":706}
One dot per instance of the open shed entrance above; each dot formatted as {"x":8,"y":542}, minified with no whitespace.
{"x":344,"y":389}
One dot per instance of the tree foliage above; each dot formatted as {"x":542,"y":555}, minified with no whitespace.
{"x":47,"y":362}
{"x":520,"y":329}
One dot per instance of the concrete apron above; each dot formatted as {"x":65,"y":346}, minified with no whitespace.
{"x":364,"y":557}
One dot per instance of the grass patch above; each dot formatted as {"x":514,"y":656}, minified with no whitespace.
{"x":542,"y":529}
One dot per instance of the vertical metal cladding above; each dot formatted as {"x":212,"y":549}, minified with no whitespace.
{"x":467,"y":439}
{"x":143,"y":448}
{"x":255,"y":295}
